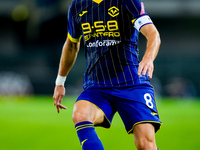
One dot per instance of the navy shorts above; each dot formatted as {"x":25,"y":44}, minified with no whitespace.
{"x":134,"y":104}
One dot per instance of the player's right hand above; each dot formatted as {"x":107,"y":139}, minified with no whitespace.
{"x":59,"y":93}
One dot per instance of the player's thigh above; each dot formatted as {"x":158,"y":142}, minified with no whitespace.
{"x":144,"y":136}
{"x":87,"y":111}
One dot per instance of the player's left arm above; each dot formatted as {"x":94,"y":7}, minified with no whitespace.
{"x":153,"y":44}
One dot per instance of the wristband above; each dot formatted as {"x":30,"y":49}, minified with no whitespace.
{"x":60,"y":80}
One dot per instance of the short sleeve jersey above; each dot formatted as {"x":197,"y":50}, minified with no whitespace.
{"x":110,"y":40}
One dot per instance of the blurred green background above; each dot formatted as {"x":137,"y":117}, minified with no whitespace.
{"x":32,"y":123}
{"x":32,"y":33}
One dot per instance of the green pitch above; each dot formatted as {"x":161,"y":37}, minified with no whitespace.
{"x":31,"y":123}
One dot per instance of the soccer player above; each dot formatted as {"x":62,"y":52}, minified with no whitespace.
{"x":114,"y":80}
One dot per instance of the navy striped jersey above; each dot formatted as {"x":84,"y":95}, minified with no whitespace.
{"x":110,"y":40}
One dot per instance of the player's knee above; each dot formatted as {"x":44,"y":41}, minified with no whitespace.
{"x":146,"y":144}
{"x":80,"y":117}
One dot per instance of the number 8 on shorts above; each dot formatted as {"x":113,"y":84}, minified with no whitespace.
{"x":148,"y":99}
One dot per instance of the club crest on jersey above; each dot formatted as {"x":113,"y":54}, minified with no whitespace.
{"x":113,"y":11}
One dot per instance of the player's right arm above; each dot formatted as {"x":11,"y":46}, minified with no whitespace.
{"x":68,"y":57}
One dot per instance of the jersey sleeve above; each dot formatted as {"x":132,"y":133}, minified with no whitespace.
{"x":139,"y":17}
{"x":73,"y":28}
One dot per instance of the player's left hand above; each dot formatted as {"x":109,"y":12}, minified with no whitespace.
{"x":146,"y":66}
